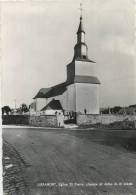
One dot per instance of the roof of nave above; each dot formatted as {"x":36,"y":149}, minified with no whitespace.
{"x":53,"y":105}
{"x":41,"y":93}
{"x":52,"y":91}
{"x":61,"y":88}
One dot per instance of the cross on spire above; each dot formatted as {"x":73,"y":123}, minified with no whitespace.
{"x":81,"y":10}
{"x":80,"y":28}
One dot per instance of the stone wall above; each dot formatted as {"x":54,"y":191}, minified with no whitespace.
{"x":15,"y":119}
{"x":39,"y":121}
{"x":51,"y":120}
{"x":43,"y":121}
{"x":83,"y":119}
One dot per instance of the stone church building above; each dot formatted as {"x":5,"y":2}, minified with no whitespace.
{"x":80,"y":91}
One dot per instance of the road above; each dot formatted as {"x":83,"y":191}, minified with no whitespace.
{"x":76,"y":162}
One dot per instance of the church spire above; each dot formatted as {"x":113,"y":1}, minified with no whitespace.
{"x":80,"y":28}
{"x":81,"y":47}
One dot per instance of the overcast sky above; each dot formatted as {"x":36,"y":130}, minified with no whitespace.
{"x":38,"y":40}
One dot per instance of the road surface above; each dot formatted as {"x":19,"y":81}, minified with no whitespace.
{"x":68,"y":162}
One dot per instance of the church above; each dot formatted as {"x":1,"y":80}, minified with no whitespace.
{"x":80,"y":92}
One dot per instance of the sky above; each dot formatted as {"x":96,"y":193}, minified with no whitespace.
{"x":38,"y":38}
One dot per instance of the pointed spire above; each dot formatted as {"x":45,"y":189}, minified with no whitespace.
{"x":80,"y":28}
{"x":81,"y":49}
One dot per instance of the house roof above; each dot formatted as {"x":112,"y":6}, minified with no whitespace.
{"x":53,"y":105}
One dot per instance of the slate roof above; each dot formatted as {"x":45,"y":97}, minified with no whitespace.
{"x":52,"y":91}
{"x":42,"y":92}
{"x":62,"y":87}
{"x":53,"y":105}
{"x":56,"y":90}
{"x":80,"y":28}
{"x":84,"y":59}
{"x":86,"y":79}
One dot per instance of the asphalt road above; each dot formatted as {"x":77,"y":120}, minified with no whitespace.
{"x":67,"y":162}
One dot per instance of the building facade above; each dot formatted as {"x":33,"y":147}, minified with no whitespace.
{"x":80,"y":91}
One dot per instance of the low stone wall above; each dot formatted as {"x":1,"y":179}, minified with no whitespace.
{"x":15,"y":119}
{"x":43,"y":121}
{"x":83,"y":119}
{"x":39,"y":121}
{"x":51,"y":120}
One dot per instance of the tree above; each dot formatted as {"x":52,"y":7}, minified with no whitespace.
{"x":105,"y":111}
{"x":116,"y":109}
{"x":24,"y":108}
{"x":6,"y":109}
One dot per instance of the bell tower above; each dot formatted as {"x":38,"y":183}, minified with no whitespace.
{"x":80,"y":49}
{"x":83,"y":85}
{"x":81,"y":64}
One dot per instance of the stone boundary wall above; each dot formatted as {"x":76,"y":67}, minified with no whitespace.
{"x":88,"y":119}
{"x":43,"y":121}
{"x":15,"y":119}
{"x":51,"y":120}
{"x":39,"y":121}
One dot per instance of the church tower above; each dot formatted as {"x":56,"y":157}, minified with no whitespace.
{"x":80,"y":92}
{"x":80,"y":49}
{"x":83,"y":85}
